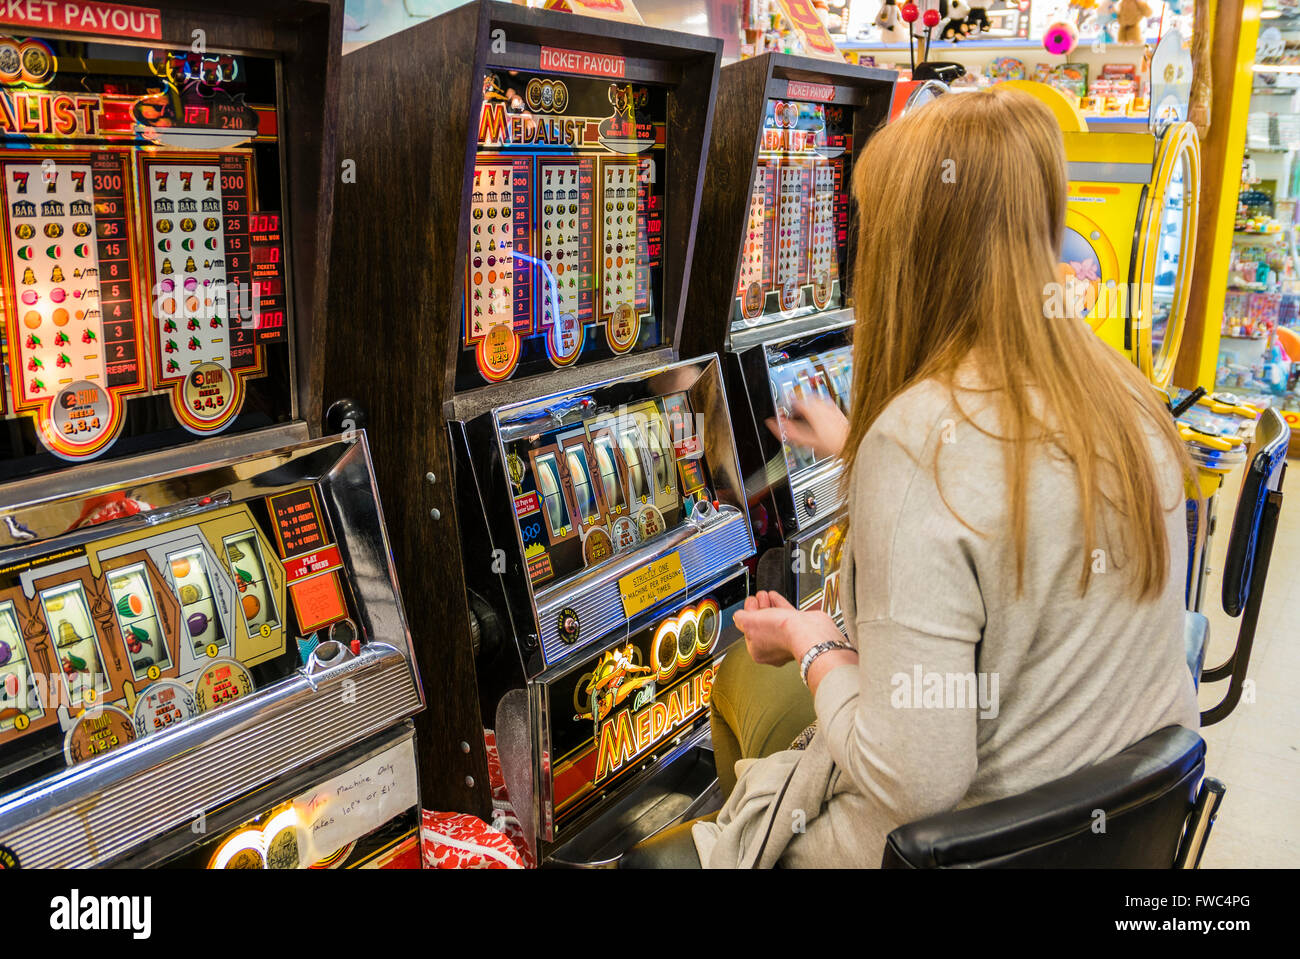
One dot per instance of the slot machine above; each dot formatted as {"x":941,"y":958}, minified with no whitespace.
{"x":770,"y":290}
{"x":201,"y":630}
{"x":573,"y":521}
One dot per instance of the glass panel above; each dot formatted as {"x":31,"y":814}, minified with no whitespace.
{"x":137,"y":616}
{"x":193,"y":587}
{"x":255,"y":601}
{"x":18,"y":703}
{"x":662,"y":462}
{"x":68,"y":616}
{"x":608,"y":472}
{"x":1169,"y":247}
{"x":630,"y":442}
{"x":585,"y":494}
{"x":548,"y":481}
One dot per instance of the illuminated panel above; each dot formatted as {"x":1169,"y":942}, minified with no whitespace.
{"x":565,"y":257}
{"x":70,"y":295}
{"x":793,"y":256}
{"x":565,"y":251}
{"x":197,"y":209}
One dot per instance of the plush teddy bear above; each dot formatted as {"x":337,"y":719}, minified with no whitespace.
{"x":1131,"y":14}
{"x":954,"y":26}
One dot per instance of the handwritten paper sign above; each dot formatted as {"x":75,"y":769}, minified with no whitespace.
{"x":357,"y":801}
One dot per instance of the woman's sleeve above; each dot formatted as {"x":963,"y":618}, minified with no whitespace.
{"x":902,"y":723}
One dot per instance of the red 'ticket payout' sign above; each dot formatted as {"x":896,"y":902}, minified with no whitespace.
{"x":577,"y":61}
{"x":106,"y":19}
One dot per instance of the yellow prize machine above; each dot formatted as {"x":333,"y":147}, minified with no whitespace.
{"x":1131,"y":216}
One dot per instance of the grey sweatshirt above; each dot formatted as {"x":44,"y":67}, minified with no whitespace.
{"x":965,"y":691}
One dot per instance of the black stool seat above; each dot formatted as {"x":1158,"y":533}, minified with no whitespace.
{"x":1145,"y":792}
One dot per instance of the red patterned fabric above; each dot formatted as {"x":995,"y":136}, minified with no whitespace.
{"x":454,"y":840}
{"x":503,"y":813}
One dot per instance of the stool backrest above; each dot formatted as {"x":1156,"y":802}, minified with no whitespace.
{"x":1250,"y":545}
{"x":1264,"y":475}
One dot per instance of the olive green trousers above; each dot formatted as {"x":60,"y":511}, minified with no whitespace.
{"x":754,"y":711}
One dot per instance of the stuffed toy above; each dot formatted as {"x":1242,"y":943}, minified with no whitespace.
{"x":892,"y":27}
{"x":1102,"y":21}
{"x":955,"y":13}
{"x":977,"y":22}
{"x":1131,"y":14}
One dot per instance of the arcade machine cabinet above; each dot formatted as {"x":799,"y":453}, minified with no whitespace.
{"x":201,"y":633}
{"x":572,"y":518}
{"x":771,"y":290}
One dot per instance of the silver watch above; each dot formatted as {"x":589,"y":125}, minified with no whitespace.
{"x":814,"y":651}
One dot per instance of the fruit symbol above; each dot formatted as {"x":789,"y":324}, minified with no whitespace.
{"x":5,"y":653}
{"x":88,"y":336}
{"x":36,"y":387}
{"x":216,"y":323}
{"x":193,"y":324}
{"x":135,"y":639}
{"x":63,"y":361}
{"x":169,"y":326}
{"x":197,"y":624}
{"x":130,"y":605}
{"x":171,"y":346}
{"x":62,"y":339}
{"x":33,"y":341}
{"x":35,"y":364}
{"x":193,"y":343}
{"x":173,"y":366}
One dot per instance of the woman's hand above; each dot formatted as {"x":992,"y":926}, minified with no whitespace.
{"x":816,"y":424}
{"x":777,"y":632}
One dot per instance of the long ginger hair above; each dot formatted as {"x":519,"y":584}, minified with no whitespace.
{"x":961,"y":213}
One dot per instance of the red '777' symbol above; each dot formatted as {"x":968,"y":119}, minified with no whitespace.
{"x":209,"y":178}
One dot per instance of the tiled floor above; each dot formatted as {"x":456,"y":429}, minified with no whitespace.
{"x":1256,"y":750}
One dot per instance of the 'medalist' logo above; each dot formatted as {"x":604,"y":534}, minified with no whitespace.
{"x":76,"y":912}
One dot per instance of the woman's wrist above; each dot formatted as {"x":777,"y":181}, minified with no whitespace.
{"x":827,"y":663}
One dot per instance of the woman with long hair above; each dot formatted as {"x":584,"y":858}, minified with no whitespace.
{"x":1013,"y":569}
